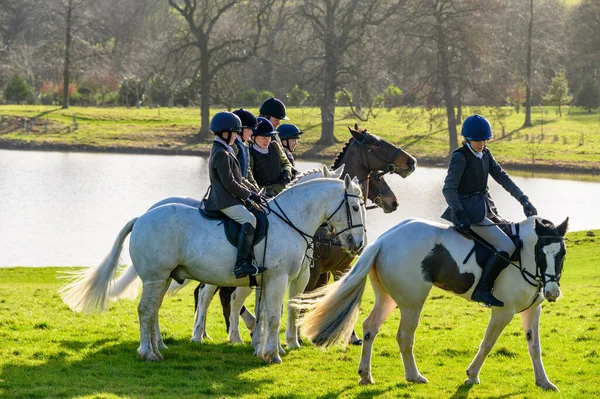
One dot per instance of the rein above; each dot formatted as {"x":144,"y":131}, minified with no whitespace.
{"x":310,"y":240}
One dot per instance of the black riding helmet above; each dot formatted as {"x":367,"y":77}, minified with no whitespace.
{"x":264,"y":128}
{"x":273,"y":107}
{"x":248,"y":119}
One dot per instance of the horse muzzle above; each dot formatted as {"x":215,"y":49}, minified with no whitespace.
{"x":551,"y":291}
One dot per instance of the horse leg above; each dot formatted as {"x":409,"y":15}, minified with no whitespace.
{"x":237,"y":303}
{"x":384,"y":304}
{"x":296,"y":287}
{"x":274,"y":295}
{"x":147,"y":313}
{"x":531,"y":325}
{"x":499,"y":320}
{"x":160,"y":344}
{"x":203,"y":294}
{"x":259,"y":326}
{"x":409,"y":321}
{"x":225,"y":294}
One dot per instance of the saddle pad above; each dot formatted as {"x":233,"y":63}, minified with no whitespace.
{"x":482,"y":248}
{"x":232,"y":228}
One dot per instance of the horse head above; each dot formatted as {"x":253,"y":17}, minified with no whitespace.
{"x":383,"y":155}
{"x":381,"y":193}
{"x":349,"y":218}
{"x":549,"y":253}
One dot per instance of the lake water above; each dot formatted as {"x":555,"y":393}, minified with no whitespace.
{"x":65,"y":209}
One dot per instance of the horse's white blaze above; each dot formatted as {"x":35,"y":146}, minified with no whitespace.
{"x":551,"y":288}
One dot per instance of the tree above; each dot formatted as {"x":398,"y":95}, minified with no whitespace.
{"x":558,"y":94}
{"x":588,"y":95}
{"x":338,"y":26}
{"x":451,"y":41}
{"x":16,"y":88}
{"x":217,"y":35}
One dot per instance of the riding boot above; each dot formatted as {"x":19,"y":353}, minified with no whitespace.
{"x":483,"y":292}
{"x":244,"y":266}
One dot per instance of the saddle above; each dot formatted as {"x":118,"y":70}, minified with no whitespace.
{"x":232,"y":228}
{"x":483,"y":249}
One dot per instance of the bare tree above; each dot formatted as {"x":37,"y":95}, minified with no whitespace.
{"x":446,"y":32}
{"x":217,"y":36}
{"x":338,"y":25}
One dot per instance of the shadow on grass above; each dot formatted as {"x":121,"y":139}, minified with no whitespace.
{"x":47,"y":112}
{"x":189,"y":369}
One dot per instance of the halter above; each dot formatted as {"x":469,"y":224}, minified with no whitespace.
{"x":391,"y":167}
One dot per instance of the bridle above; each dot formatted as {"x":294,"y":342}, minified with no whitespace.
{"x":378,"y":200}
{"x":391,"y":167}
{"x":307,"y":237}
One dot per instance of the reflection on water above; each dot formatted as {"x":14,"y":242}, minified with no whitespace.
{"x":67,"y":208}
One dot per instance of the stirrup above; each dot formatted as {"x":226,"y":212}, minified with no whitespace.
{"x":248,"y":269}
{"x":486,"y":299}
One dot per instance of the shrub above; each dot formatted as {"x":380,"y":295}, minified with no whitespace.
{"x":16,"y":89}
{"x":392,"y":96}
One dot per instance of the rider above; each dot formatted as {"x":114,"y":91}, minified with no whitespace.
{"x":227,"y":193}
{"x":270,"y":167}
{"x":469,"y":204}
{"x":289,"y":135}
{"x":241,"y":149}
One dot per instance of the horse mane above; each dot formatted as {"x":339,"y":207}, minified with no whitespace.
{"x":337,"y":162}
{"x":305,"y":173}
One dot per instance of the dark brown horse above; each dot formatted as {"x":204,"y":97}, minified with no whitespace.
{"x":365,"y":156}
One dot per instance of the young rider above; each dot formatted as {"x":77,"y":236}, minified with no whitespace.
{"x":289,"y":135}
{"x":274,"y":110}
{"x":242,"y":152}
{"x":469,"y":205}
{"x":228,"y":194}
{"x":270,"y":167}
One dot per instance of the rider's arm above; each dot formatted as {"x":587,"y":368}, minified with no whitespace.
{"x":456,"y":168}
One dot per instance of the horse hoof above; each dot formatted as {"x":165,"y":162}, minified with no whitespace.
{"x":357,"y":342}
{"x":366,"y":381}
{"x":547,"y":386}
{"x":161,"y":345}
{"x":196,"y":339}
{"x":472,"y":380}
{"x":149,"y":357}
{"x":293,"y":345}
{"x":281,"y":350}
{"x":418,"y":380}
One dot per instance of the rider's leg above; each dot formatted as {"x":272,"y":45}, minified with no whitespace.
{"x":495,"y":264}
{"x":243,"y":264}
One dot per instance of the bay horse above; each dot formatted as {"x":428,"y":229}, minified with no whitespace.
{"x":366,"y":157}
{"x":175,"y":241}
{"x":408,"y":259}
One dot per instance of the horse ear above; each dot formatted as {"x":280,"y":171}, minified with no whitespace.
{"x":326,"y":172}
{"x":337,"y":173}
{"x":562,"y":228}
{"x":347,"y":181}
{"x":358,"y":136}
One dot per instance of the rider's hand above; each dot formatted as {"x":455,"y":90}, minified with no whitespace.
{"x":463,"y":224}
{"x":286,"y":176}
{"x":528,"y":207}
{"x":255,"y":197}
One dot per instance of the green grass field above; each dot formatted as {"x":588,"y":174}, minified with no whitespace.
{"x":47,"y":351}
{"x":572,"y":140}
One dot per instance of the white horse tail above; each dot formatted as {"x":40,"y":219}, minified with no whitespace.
{"x":175,"y":287}
{"x":89,"y":290}
{"x":335,"y":307}
{"x":123,"y":287}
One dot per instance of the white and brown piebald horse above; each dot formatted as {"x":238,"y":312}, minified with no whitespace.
{"x":403,"y":265}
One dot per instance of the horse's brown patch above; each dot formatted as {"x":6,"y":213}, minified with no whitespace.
{"x":439,"y":268}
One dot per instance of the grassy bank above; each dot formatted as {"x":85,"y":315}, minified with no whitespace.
{"x":48,"y":351}
{"x":567,"y":143}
